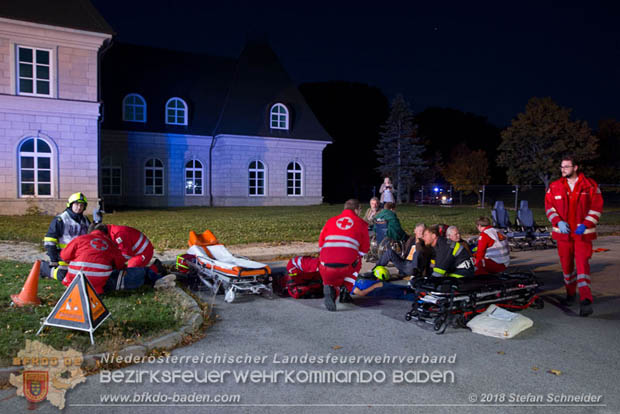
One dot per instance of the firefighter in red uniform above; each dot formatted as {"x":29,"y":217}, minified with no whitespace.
{"x":492,"y":254}
{"x":343,"y":242}
{"x":133,"y":244}
{"x":574,"y":205}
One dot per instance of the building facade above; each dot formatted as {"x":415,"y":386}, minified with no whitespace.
{"x":49,"y":107}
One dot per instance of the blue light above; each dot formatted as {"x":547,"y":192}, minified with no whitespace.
{"x":436,"y":189}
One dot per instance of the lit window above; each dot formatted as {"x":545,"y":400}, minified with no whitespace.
{"x":34,"y":69}
{"x":193,"y":178}
{"x":176,"y":112}
{"x":257,"y":178}
{"x":134,"y":108}
{"x":279,"y":117}
{"x":35,"y":168}
{"x":154,"y":177}
{"x":111,"y":181}
{"x":293,"y":179}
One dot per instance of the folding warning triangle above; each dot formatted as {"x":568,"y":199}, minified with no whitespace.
{"x":79,"y":308}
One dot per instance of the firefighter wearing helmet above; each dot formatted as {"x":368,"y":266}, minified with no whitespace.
{"x":65,"y":227}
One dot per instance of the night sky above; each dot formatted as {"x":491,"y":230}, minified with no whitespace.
{"x":488,"y":58}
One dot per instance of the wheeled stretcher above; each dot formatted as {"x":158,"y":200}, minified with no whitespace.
{"x":443,"y":301}
{"x":217,"y":268}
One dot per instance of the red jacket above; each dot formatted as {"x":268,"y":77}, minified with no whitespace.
{"x":95,"y":255}
{"x":583,"y":205}
{"x":131,"y":242}
{"x":302,"y":264}
{"x":344,"y":239}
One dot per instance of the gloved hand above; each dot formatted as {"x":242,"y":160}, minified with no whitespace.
{"x":564,"y":227}
{"x":580,"y":229}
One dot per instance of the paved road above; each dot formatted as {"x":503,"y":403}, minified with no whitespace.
{"x":490,"y":375}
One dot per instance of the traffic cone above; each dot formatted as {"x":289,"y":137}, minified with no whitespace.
{"x":28,"y":294}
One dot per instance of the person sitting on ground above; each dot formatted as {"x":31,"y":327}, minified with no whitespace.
{"x":493,"y":253}
{"x":453,"y":233}
{"x":394,"y":229}
{"x":417,"y":258}
{"x":451,"y":258}
{"x":372,"y":210}
{"x":96,"y":256}
{"x":377,"y":286}
{"x":386,"y":197}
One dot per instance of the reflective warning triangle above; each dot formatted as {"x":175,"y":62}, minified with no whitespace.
{"x":79,"y":308}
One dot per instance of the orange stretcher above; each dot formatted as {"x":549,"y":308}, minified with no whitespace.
{"x":217,"y":266}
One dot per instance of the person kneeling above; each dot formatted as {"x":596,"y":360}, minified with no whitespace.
{"x":493,"y":253}
{"x":96,"y":256}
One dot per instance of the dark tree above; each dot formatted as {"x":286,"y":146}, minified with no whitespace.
{"x":399,"y":150}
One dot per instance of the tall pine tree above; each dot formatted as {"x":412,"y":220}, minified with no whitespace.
{"x":399,"y":149}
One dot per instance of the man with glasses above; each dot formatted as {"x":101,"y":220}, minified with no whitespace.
{"x":574,"y":205}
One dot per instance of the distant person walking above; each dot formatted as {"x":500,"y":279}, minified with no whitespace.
{"x":574,"y":205}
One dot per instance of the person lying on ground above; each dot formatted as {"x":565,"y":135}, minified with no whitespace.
{"x":377,"y":286}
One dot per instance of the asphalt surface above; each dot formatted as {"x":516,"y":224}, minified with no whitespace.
{"x":562,"y":356}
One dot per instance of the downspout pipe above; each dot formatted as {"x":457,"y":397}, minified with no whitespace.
{"x":107,"y":44}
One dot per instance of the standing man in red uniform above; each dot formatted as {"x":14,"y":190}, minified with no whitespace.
{"x":343,"y":242}
{"x":574,"y":205}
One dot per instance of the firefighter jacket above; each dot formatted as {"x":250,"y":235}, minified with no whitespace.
{"x":344,"y":239}
{"x":493,"y":245}
{"x":583,"y":205}
{"x":95,"y":256}
{"x":64,"y":228}
{"x":452,"y":259}
{"x":394,"y":229}
{"x":131,"y":242}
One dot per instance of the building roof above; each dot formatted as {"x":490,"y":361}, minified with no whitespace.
{"x":74,"y":14}
{"x":224,"y":95}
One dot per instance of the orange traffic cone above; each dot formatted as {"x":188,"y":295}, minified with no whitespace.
{"x":28,"y":295}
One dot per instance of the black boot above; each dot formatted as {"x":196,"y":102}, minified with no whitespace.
{"x":329,"y":298}
{"x":585,"y":308}
{"x":159,"y":267}
{"x":569,"y":300}
{"x":344,"y":296}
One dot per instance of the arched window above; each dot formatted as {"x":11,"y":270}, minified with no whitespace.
{"x":35,"y":168}
{"x":293,"y":179}
{"x":257,"y":178}
{"x":278,"y":117}
{"x":193,"y":178}
{"x":176,"y":112}
{"x":154,"y":177}
{"x":134,"y":108}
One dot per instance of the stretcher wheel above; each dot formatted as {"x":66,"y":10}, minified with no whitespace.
{"x":438,"y":323}
{"x":408,"y":316}
{"x":230,"y":295}
{"x":538,"y":303}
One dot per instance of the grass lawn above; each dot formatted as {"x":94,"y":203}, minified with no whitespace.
{"x":169,"y":228}
{"x":137,"y":315}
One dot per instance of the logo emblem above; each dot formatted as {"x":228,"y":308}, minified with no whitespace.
{"x":344,"y":223}
{"x":35,"y":385}
{"x":99,"y":244}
